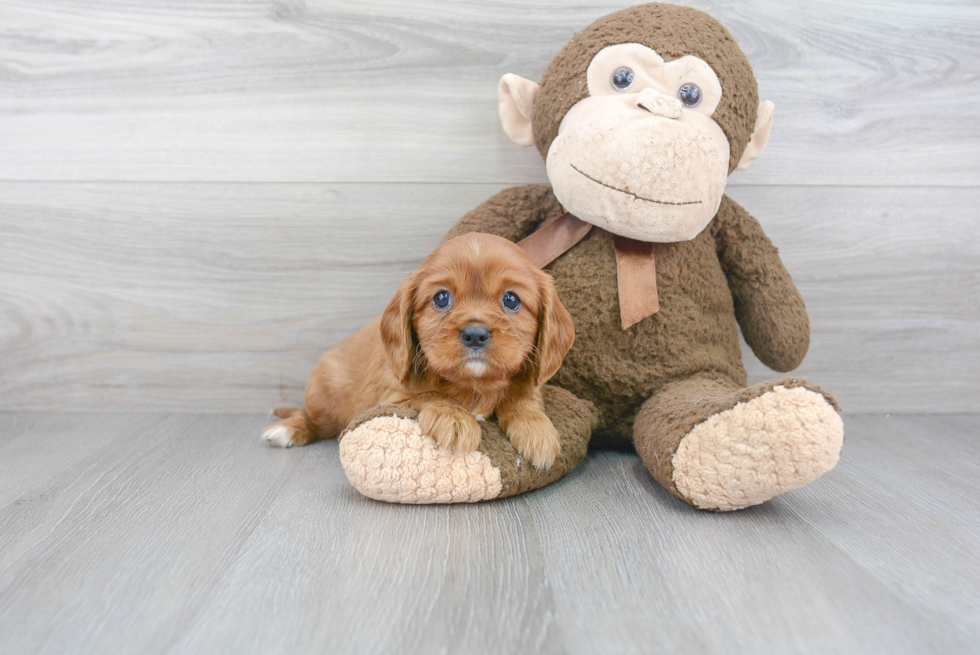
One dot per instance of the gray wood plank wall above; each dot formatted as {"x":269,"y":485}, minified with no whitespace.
{"x":197,"y":198}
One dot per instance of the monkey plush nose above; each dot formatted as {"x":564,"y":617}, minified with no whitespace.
{"x":658,"y":103}
{"x":475,"y":336}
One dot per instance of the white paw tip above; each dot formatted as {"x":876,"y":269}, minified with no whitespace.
{"x":279,"y":436}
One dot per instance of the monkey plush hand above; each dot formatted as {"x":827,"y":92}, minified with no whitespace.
{"x":640,"y":118}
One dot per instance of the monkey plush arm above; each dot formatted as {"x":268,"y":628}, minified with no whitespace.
{"x":513,"y":213}
{"x":768,"y":306}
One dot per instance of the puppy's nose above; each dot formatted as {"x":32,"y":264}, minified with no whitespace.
{"x":475,"y":336}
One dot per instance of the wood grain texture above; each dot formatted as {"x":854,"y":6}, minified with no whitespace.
{"x":910,"y":479}
{"x":183,"y":295}
{"x":867,"y":92}
{"x":187,"y":297}
{"x":32,"y":447}
{"x":221,"y":297}
{"x":157,"y":513}
{"x":891,"y":281}
{"x":185,"y":534}
{"x":380,"y":578}
{"x":759,"y":580}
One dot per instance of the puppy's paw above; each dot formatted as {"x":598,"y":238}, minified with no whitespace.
{"x":289,"y":432}
{"x":280,"y":435}
{"x":451,"y":427}
{"x":536,"y":438}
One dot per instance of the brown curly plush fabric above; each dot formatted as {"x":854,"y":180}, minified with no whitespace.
{"x":695,"y":331}
{"x":683,"y":364}
{"x":672,"y":31}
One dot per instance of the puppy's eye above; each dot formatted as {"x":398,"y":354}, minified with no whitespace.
{"x":510,"y":301}
{"x":442,"y":300}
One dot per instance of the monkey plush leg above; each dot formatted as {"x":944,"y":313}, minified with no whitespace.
{"x":721,"y":447}
{"x":386,"y":456}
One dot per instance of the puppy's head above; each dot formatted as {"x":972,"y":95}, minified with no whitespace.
{"x":476,"y":311}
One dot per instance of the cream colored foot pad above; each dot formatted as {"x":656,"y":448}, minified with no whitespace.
{"x":388,"y":458}
{"x":756,"y":450}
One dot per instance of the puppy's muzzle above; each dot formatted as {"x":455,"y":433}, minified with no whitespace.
{"x":475,"y":337}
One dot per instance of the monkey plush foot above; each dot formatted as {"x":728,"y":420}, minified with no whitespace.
{"x":720,"y":446}
{"x":758,"y":449}
{"x":387,"y":457}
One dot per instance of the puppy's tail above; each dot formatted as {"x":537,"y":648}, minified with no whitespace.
{"x":287,"y":412}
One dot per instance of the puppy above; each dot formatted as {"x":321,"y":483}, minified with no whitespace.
{"x":476,"y":329}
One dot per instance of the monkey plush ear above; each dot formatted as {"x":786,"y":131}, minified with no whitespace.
{"x":760,"y":136}
{"x":516,"y":99}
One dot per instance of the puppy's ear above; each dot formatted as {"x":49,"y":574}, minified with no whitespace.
{"x":556,"y":332}
{"x":397,"y":333}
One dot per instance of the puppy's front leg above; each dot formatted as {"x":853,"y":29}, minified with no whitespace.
{"x":529,"y":429}
{"x":449,"y":424}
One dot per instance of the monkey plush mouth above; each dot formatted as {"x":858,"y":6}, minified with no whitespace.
{"x":630,"y":193}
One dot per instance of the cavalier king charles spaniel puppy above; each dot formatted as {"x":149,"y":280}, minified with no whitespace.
{"x":477,"y":329}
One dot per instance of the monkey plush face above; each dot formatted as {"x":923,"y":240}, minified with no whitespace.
{"x":641,"y":156}
{"x":641,"y":118}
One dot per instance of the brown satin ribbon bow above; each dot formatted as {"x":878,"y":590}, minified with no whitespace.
{"x":636,"y":270}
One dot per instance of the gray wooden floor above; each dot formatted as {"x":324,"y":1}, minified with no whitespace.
{"x":148,"y":533}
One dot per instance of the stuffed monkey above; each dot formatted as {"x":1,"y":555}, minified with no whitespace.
{"x":640,"y":118}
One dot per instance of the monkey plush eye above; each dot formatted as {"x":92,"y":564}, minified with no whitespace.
{"x":622,"y":78}
{"x":510,"y":301}
{"x":689,"y":94}
{"x":442,"y":300}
